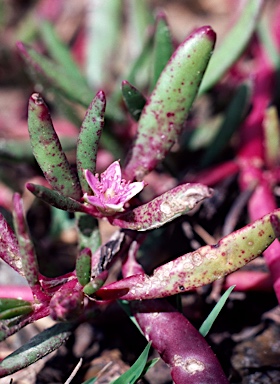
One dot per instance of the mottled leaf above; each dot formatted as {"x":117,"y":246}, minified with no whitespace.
{"x":89,"y":137}
{"x":27,"y":250}
{"x":164,"y":208}
{"x":166,"y":110}
{"x":48,"y":151}
{"x":38,"y":347}
{"x":197,"y":268}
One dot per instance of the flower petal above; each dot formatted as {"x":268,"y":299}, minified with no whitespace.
{"x":94,"y":200}
{"x":112,"y":173}
{"x":93,"y":182}
{"x":132,"y":190}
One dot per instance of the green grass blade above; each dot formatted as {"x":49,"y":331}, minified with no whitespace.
{"x":136,"y":370}
{"x":207,"y":324}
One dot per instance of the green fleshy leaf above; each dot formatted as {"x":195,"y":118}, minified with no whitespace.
{"x":59,"y":51}
{"x":134,"y":99}
{"x":10,"y":308}
{"x":166,"y":110}
{"x":136,"y":370}
{"x":88,"y":232}
{"x":95,"y":284}
{"x":38,"y":347}
{"x":55,"y":75}
{"x":103,"y":36}
{"x":207,"y":324}
{"x":163,"y":48}
{"x":267,"y":41}
{"x":271,"y":130}
{"x":83,"y":266}
{"x":48,"y":151}
{"x":233,"y":45}
{"x":15,"y":312}
{"x":233,"y":117}
{"x":19,"y":150}
{"x":204,"y":134}
{"x":89,"y":137}
{"x":164,"y":208}
{"x":198,"y":268}
{"x":55,"y":199}
{"x":60,"y":222}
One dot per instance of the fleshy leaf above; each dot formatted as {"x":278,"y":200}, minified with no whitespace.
{"x":28,"y":255}
{"x":89,"y":137}
{"x":10,"y":308}
{"x":59,"y":51}
{"x":9,"y":247}
{"x":166,"y":110}
{"x":271,"y":128}
{"x":96,"y":283}
{"x":197,"y":268}
{"x":233,"y":116}
{"x":48,"y":151}
{"x":88,"y":232}
{"x":163,"y":47}
{"x":83,"y":266}
{"x":38,"y":347}
{"x":159,"y":211}
{"x":233,"y":45}
{"x":134,"y":100}
{"x":55,"y":199}
{"x":55,"y":75}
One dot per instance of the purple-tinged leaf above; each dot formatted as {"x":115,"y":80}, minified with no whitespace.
{"x":9,"y":247}
{"x":48,"y":151}
{"x":68,"y":302}
{"x":197,"y":268}
{"x":38,"y":347}
{"x":89,"y":137}
{"x":179,"y":344}
{"x":28,"y":255}
{"x":164,"y":208}
{"x":166,"y":110}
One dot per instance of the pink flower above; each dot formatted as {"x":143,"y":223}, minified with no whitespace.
{"x":111,"y":192}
